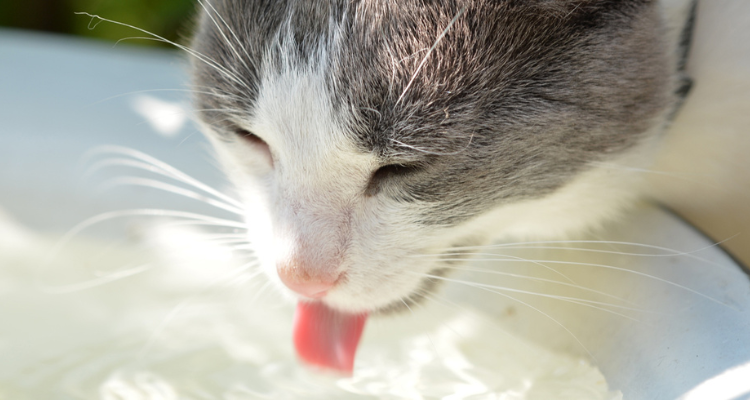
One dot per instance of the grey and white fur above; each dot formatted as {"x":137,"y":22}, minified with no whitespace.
{"x":361,"y":133}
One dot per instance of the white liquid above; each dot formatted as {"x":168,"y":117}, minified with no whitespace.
{"x":177,"y":330}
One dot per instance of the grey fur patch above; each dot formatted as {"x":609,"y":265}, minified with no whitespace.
{"x":517,"y":97}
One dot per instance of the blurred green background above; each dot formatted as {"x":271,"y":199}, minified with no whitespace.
{"x":168,"y":18}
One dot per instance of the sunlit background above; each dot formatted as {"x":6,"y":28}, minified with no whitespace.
{"x":171,"y":19}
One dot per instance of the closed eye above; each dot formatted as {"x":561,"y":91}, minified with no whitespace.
{"x":386,"y":173}
{"x":256,"y":142}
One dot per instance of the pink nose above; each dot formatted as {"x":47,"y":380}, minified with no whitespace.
{"x":313,"y":287}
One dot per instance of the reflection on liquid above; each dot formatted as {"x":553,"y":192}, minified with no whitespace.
{"x":198,"y":322}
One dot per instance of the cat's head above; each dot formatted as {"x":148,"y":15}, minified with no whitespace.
{"x":362,"y":135}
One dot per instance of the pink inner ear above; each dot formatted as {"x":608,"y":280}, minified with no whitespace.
{"x":327,"y":338}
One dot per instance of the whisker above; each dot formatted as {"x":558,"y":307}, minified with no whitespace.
{"x":681,"y":176}
{"x":520,"y":302}
{"x":407,"y":306}
{"x":148,"y":212}
{"x":185,"y":302}
{"x":656,"y":278}
{"x":79,"y":286}
{"x":604,"y":310}
{"x":581,"y":287}
{"x":201,"y":57}
{"x":429,"y":52}
{"x":130,"y":93}
{"x":207,"y":60}
{"x":112,"y":215}
{"x":529,"y":243}
{"x":434,"y":297}
{"x":221,"y":31}
{"x":248,"y":247}
{"x":189,"y":113}
{"x":122,"y":162}
{"x":200,"y":223}
{"x":162,"y":168}
{"x":136,"y":181}
{"x":240,"y":278}
{"x":437,"y":298}
{"x":227,"y":241}
{"x":231,"y":111}
{"x":121,"y":272}
{"x":220,"y":236}
{"x":471,"y":257}
{"x":434,"y":153}
{"x":576,"y":300}
{"x":260,"y":291}
{"x":669,"y":252}
{"x":427,"y":334}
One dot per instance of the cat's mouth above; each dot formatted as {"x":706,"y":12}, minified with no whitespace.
{"x":327,"y":338}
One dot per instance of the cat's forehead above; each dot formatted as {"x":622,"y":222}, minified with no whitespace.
{"x":495,"y":100}
{"x":432,"y":76}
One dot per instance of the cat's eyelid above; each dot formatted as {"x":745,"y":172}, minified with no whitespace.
{"x":389,"y":171}
{"x":401,"y":167}
{"x":255,"y":140}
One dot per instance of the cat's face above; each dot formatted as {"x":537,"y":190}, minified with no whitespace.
{"x":364,"y":134}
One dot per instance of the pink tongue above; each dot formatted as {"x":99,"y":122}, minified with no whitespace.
{"x":325,"y":337}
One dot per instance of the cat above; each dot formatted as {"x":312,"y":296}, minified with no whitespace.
{"x":360,"y":133}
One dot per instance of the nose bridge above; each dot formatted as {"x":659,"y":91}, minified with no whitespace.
{"x":312,"y":247}
{"x":313,"y":213}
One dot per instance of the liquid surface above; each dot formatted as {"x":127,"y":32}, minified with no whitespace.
{"x":174,"y":314}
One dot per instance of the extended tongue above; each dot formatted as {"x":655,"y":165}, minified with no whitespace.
{"x":325,"y":337}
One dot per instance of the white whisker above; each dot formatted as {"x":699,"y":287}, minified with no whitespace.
{"x":532,"y":278}
{"x":193,"y":223}
{"x":144,"y":212}
{"x":130,"y":93}
{"x":243,"y":247}
{"x":228,"y":241}
{"x":407,"y":306}
{"x":625,"y":270}
{"x":569,"y":299}
{"x":424,"y":60}
{"x":136,"y":181}
{"x":206,"y":60}
{"x":260,"y":291}
{"x":520,"y":302}
{"x":434,"y":153}
{"x":79,"y":286}
{"x":221,"y":31}
{"x":220,"y":236}
{"x":471,"y":257}
{"x":668,"y":251}
{"x":162,"y":168}
{"x":185,"y":302}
